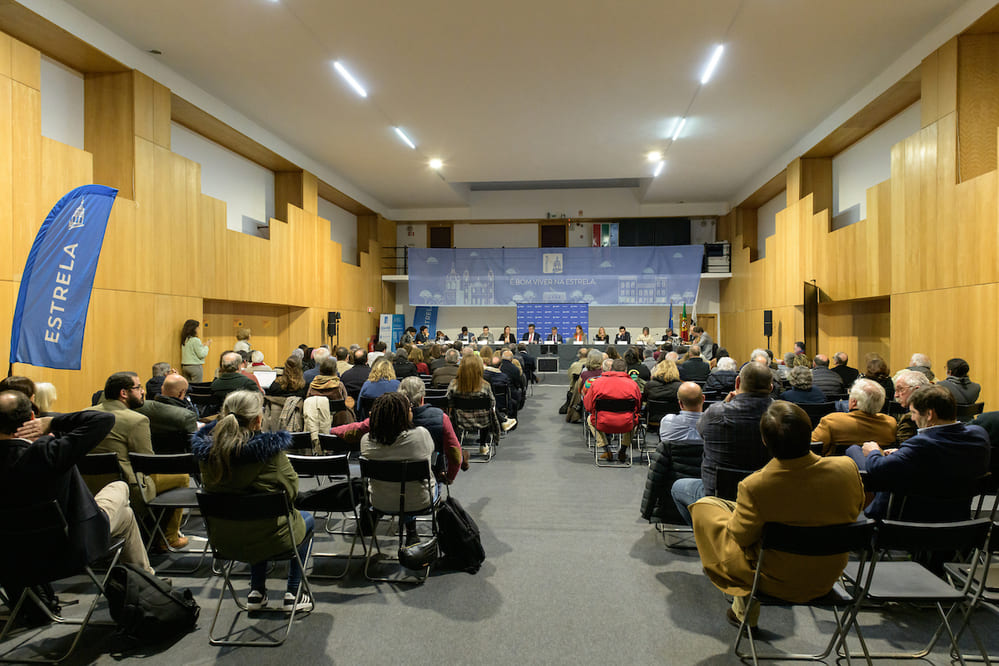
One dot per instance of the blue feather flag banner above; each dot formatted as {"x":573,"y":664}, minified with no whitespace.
{"x":58,"y":277}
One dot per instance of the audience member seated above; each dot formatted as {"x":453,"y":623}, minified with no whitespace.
{"x":123,"y":394}
{"x":291,"y":382}
{"x":230,"y":378}
{"x":877,"y":370}
{"x":601,"y":336}
{"x":802,"y":390}
{"x":402,"y":366}
{"x":174,"y":392}
{"x":863,"y":423}
{"x":153,"y":384}
{"x":623,"y":337}
{"x":907,"y":381}
{"x":378,"y":352}
{"x":436,"y":359}
{"x":392,"y":436}
{"x":921,"y":363}
{"x":824,"y":379}
{"x":578,"y":365}
{"x":633,"y":359}
{"x":796,"y":487}
{"x":38,"y":464}
{"x":614,"y":384}
{"x":246,"y":370}
{"x":518,"y":381}
{"x":381,"y":380}
{"x":257,"y":362}
{"x":731,"y":433}
{"x":447,"y":371}
{"x":45,"y":397}
{"x":170,"y":425}
{"x":721,"y":381}
{"x":694,"y":369}
{"x":318,"y":354}
{"x":499,"y":382}
{"x":470,"y":383}
{"x":845,"y":372}
{"x":237,"y":458}
{"x":676,"y":457}
{"x":328,"y":385}
{"x":664,"y":384}
{"x":964,"y":390}
{"x":242,"y":340}
{"x":354,"y":378}
{"x":419,"y":357}
{"x":342,"y":364}
{"x":448,"y":459}
{"x":936,"y":469}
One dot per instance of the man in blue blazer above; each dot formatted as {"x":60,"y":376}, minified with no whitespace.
{"x":936,"y":469}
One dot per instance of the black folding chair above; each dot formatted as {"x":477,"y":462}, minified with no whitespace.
{"x":401,"y":472}
{"x":100,"y":464}
{"x":218,"y":508}
{"x":909,"y":582}
{"x":176,"y":499}
{"x":364,"y":406}
{"x":813,"y":541}
{"x":337,"y":497}
{"x":36,"y":550}
{"x":967,"y":413}
{"x":817,"y":410}
{"x":727,"y":481}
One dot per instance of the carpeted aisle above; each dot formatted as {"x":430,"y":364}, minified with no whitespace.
{"x":573,"y":575}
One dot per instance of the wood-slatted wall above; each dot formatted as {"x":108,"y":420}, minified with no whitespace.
{"x":167,"y":254}
{"x":921,"y":273}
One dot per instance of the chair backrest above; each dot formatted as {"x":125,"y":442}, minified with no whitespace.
{"x":966,"y":413}
{"x":727,"y":481}
{"x":397,"y":471}
{"x":962,"y":535}
{"x":34,"y":537}
{"x":226,"y":543}
{"x":618,"y":405}
{"x":660,"y":408}
{"x":173,"y":463}
{"x":96,"y":464}
{"x":438,"y":401}
{"x":817,"y":410}
{"x":896,"y":409}
{"x":320,"y":465}
{"x":818,"y":540}
{"x":365,"y":404}
{"x":465,"y":403}
{"x":301,"y":440}
{"x":337,"y":445}
{"x":337,"y":406}
{"x":176,"y":441}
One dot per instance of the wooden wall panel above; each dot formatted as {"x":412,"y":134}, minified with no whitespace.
{"x":25,"y":64}
{"x":167,"y":254}
{"x":939,"y":84}
{"x":856,"y":328}
{"x":978,"y":102}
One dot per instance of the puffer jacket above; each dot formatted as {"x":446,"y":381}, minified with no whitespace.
{"x":671,"y":461}
{"x":613,"y":385}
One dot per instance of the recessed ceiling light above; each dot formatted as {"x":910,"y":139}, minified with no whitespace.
{"x":679,"y":128}
{"x":436,"y":164}
{"x":659,"y":168}
{"x":405,"y":139}
{"x":655,"y":156}
{"x":342,"y":71}
{"x":710,"y":69}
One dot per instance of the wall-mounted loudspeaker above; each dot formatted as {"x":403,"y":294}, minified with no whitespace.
{"x":332,"y":321}
{"x":768,"y":323}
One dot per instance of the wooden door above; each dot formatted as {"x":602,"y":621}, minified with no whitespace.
{"x":709,"y":322}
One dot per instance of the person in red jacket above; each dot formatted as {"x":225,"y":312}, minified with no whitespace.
{"x":614,"y":384}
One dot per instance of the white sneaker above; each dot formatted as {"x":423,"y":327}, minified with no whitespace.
{"x":304,"y":604}
{"x":484,"y":450}
{"x":256,"y":600}
{"x":509,"y":423}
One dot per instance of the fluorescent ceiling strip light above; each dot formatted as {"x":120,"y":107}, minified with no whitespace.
{"x":679,"y":128}
{"x":405,"y":139}
{"x":712,"y":64}
{"x":342,"y":71}
{"x":659,"y":168}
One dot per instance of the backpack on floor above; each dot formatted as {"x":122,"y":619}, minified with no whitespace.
{"x":147,"y":609}
{"x":458,"y":538}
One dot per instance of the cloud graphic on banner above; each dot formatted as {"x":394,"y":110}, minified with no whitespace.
{"x":606,"y":264}
{"x":511,"y":271}
{"x":432,"y":260}
{"x":473,"y":254}
{"x":678,"y":255}
{"x":689,"y":295}
{"x":425,"y":294}
{"x":649,"y":270}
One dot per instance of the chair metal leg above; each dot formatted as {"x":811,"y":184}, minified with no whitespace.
{"x":350,"y":553}
{"x":374,"y":548}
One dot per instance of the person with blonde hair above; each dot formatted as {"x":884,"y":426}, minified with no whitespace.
{"x":664,"y":384}
{"x":381,"y":380}
{"x":45,"y":397}
{"x":470,"y":383}
{"x":236,"y":457}
{"x":242,"y":341}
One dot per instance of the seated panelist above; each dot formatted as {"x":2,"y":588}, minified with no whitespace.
{"x":622,"y":337}
{"x":579,"y":335}
{"x":554,"y":337}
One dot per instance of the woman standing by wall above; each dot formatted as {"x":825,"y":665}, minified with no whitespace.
{"x":192,"y":351}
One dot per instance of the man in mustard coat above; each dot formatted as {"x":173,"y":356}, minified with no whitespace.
{"x":796,"y":487}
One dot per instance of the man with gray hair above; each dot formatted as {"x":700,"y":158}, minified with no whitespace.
{"x":921,"y":363}
{"x":906,"y":382}
{"x":863,"y":423}
{"x":824,"y":379}
{"x":443,"y":375}
{"x":318,"y":354}
{"x":230,"y":378}
{"x":155,"y":383}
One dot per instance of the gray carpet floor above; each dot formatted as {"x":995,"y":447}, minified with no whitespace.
{"x":572,"y":575}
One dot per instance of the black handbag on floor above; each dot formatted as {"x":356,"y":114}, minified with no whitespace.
{"x":146,"y":608}
{"x":458,"y":538}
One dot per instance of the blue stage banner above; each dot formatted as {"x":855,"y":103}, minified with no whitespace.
{"x":597,"y":275}
{"x":58,"y":277}
{"x":426,"y":316}
{"x":564,"y":316}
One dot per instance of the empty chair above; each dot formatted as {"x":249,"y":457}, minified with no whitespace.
{"x":817,"y":410}
{"x":967,"y":413}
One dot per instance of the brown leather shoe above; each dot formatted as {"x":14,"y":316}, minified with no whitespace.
{"x":179,"y":542}
{"x":607,"y":455}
